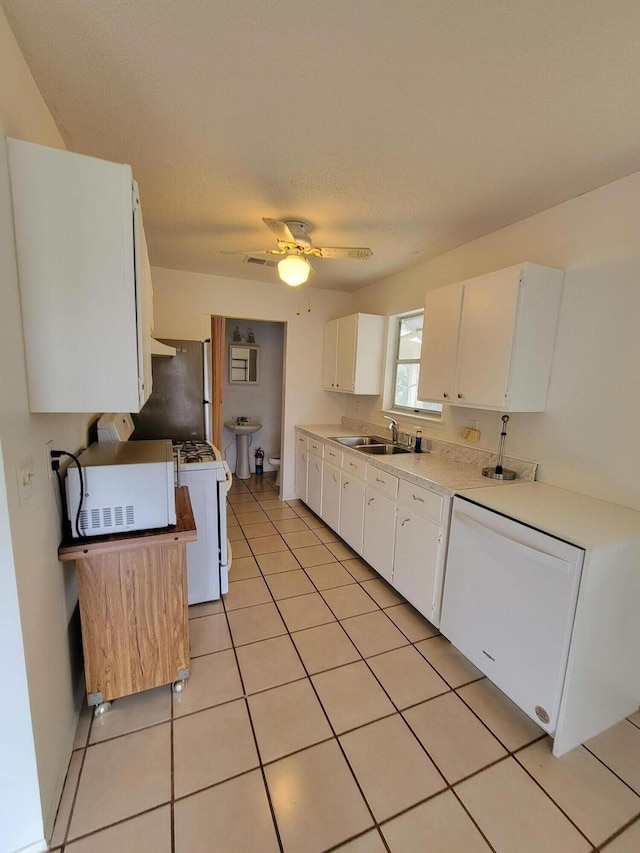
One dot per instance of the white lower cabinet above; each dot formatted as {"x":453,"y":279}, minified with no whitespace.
{"x":418,"y":563}
{"x":352,"y":511}
{"x":301,"y":467}
{"x":380,"y":520}
{"x":314,"y":483}
{"x":331,"y":489}
{"x":399,"y":528}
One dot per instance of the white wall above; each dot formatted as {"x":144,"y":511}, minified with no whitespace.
{"x":46,"y":588}
{"x":262,"y":401}
{"x":586,"y":440}
{"x":183,"y":303}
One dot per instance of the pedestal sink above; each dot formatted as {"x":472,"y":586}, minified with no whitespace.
{"x":243,"y":428}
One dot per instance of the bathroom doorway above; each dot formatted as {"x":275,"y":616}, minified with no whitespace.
{"x":260,"y":398}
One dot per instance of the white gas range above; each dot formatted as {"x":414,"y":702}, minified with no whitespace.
{"x":199,"y":466}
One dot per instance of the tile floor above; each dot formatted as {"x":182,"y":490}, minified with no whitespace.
{"x":323,"y":713}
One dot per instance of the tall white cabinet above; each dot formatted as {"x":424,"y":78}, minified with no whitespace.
{"x":352,"y":357}
{"x":85,"y":281}
{"x":488,"y":342}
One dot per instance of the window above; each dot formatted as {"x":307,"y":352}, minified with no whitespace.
{"x":407,"y":367}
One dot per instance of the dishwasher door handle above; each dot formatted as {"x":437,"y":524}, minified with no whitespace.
{"x":532,"y":553}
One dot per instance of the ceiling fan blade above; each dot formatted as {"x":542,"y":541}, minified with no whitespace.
{"x":339,"y":252}
{"x":280,"y":229}
{"x":252,"y":252}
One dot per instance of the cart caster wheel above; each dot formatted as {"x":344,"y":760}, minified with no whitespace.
{"x":101,"y":709}
{"x":179,"y":686}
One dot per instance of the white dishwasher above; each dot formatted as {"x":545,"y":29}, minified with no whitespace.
{"x":509,"y":603}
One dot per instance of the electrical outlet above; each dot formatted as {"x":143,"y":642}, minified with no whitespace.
{"x":47,"y":452}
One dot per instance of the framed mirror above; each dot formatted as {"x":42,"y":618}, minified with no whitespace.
{"x":244,"y":364}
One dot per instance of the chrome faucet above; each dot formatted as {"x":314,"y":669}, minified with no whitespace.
{"x":393,"y":426}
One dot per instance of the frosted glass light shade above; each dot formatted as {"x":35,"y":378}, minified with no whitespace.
{"x":294,"y":270}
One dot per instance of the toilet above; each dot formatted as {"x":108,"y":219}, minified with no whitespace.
{"x":274,"y":461}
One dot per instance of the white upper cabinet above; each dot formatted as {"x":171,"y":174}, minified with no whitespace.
{"x":441,"y":325}
{"x":352,"y":360}
{"x":488,"y":342}
{"x":85,"y":281}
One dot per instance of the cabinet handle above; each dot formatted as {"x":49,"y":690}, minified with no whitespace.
{"x":416,"y":498}
{"x":460,"y":397}
{"x":370,"y":501}
{"x":353,"y":464}
{"x":445,"y":395}
{"x":378,"y":480}
{"x":345,"y":484}
{"x":404,"y":522}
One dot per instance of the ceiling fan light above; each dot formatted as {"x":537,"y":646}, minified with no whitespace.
{"x":294,"y":270}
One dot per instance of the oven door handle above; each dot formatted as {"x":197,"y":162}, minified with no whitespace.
{"x":227,"y":474}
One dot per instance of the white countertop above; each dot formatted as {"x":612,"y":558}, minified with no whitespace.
{"x":579,"y":519}
{"x":430,"y":470}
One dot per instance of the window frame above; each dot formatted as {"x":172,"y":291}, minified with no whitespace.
{"x":434,"y":414}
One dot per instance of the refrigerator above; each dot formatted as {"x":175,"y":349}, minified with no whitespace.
{"x":179,"y":406}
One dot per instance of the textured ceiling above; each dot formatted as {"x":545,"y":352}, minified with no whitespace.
{"x":409,"y":126}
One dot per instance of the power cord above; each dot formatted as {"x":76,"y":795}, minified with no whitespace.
{"x":55,"y":455}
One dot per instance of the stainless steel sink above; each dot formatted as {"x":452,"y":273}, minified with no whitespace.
{"x":360,"y":440}
{"x":382,"y":449}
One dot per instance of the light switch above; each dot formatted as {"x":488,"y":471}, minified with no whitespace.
{"x":25,"y":475}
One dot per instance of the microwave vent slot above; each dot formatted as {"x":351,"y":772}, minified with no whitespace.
{"x":117,"y":517}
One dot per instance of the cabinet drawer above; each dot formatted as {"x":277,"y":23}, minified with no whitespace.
{"x":421,"y":501}
{"x":316,"y":447}
{"x":386,"y":483}
{"x":333,"y":455}
{"x":354,"y":466}
{"x":301,"y":440}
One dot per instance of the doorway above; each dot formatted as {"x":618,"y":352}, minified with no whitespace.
{"x":261,"y":398}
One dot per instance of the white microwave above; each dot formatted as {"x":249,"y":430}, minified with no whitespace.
{"x":128,"y":485}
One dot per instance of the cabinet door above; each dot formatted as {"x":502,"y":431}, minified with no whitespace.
{"x":330,"y":354}
{"x":379,"y":531}
{"x":314,"y":484}
{"x":486,"y":337}
{"x":331,"y":488}
{"x":144,"y":303}
{"x":346,"y":361}
{"x":415,"y":561}
{"x":442,"y":309}
{"x":73,"y":220}
{"x":301,"y":473}
{"x":352,"y":511}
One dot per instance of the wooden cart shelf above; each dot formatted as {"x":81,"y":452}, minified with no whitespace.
{"x":132,"y":591}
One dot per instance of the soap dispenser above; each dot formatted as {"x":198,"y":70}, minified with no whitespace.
{"x":418,"y":443}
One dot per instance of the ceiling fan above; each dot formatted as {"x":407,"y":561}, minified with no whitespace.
{"x":295,"y":245}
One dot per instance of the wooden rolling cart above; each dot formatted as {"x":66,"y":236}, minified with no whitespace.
{"x":132,"y":590}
